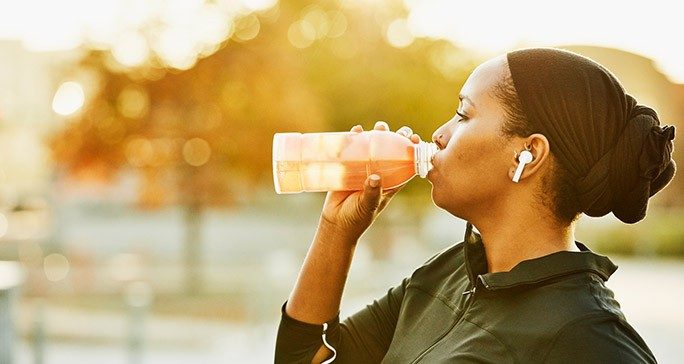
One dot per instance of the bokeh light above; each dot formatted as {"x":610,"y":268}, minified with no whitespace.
{"x":177,"y":48}
{"x":68,"y":99}
{"x":398,"y":34}
{"x":301,"y":34}
{"x":247,"y":28}
{"x":56,"y":267}
{"x":133,"y":102}
{"x":165,"y":154}
{"x":139,"y":152}
{"x":111,"y":130}
{"x":196,"y":152}
{"x":131,"y":49}
{"x":258,"y":5}
{"x":215,"y":26}
{"x":318,"y":19}
{"x":338,"y":25}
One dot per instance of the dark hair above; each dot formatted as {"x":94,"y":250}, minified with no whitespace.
{"x":611,"y":153}
{"x":558,"y":192}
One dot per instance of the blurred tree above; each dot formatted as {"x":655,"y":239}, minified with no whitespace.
{"x":375,"y":70}
{"x":201,"y":137}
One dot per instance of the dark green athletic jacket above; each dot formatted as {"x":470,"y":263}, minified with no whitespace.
{"x":553,"y":309}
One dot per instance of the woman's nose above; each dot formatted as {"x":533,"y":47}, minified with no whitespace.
{"x":439,"y":138}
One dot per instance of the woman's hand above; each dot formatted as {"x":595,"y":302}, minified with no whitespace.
{"x":346,"y":215}
{"x":350,"y":213}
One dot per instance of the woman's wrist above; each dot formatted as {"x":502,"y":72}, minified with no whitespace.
{"x":330,"y":231}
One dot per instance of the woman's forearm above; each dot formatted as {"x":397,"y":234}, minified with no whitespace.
{"x":318,"y":291}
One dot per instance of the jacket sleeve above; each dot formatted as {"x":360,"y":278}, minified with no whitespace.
{"x":601,"y":338}
{"x":363,"y":337}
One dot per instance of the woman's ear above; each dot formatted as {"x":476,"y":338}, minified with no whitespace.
{"x":539,"y":147}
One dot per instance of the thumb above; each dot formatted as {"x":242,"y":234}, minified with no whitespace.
{"x":370,"y":197}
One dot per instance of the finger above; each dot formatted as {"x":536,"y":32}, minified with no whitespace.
{"x":370,"y":196}
{"x":381,"y":125}
{"x":357,"y":128}
{"x":387,"y":194}
{"x":415,"y":138}
{"x":405,"y":131}
{"x":387,"y":197}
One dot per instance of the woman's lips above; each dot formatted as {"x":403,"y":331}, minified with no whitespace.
{"x":434,"y":167}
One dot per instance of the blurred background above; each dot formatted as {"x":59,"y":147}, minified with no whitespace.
{"x":138,"y":219}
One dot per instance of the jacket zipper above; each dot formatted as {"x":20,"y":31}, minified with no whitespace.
{"x":466,"y":306}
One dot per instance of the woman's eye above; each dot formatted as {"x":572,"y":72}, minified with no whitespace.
{"x":462,"y":117}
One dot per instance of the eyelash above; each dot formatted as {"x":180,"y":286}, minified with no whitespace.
{"x":463,"y":117}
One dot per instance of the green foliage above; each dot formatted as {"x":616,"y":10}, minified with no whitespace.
{"x":203,"y":136}
{"x":360,"y":79}
{"x":661,"y":233}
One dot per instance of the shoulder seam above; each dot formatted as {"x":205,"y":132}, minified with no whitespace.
{"x":572,"y":323}
{"x":595,"y":293}
{"x":443,"y":299}
{"x":508,"y":349}
{"x":454,"y":248}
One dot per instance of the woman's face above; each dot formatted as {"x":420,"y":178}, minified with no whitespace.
{"x":471,"y":170}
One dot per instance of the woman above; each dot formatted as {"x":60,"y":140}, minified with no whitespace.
{"x":541,"y":135}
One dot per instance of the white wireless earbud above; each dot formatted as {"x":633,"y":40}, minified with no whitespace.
{"x":524,"y":158}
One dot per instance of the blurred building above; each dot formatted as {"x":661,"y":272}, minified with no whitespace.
{"x":27,"y":85}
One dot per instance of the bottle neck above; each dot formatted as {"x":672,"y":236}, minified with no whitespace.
{"x":423,"y":153}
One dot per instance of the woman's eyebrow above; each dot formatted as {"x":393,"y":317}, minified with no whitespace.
{"x":467,"y":99}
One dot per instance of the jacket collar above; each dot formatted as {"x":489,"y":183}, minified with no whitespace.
{"x":533,"y":271}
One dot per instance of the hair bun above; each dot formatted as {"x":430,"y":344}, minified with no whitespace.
{"x":637,"y":167}
{"x":615,"y":150}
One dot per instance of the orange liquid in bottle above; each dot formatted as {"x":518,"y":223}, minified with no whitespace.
{"x":340,"y":161}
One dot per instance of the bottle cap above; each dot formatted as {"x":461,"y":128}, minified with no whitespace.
{"x":424,"y":152}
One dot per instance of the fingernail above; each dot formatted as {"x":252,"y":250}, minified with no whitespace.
{"x":374,"y":180}
{"x":383,"y":124}
{"x":405,"y":131}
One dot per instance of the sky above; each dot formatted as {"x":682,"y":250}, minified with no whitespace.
{"x":651,"y":28}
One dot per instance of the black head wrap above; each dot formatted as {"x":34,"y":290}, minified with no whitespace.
{"x":616,"y":150}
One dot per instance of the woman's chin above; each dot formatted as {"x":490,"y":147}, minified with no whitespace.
{"x":437,"y":198}
{"x":447,"y":200}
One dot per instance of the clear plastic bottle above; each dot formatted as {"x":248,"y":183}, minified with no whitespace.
{"x":314,"y":162}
